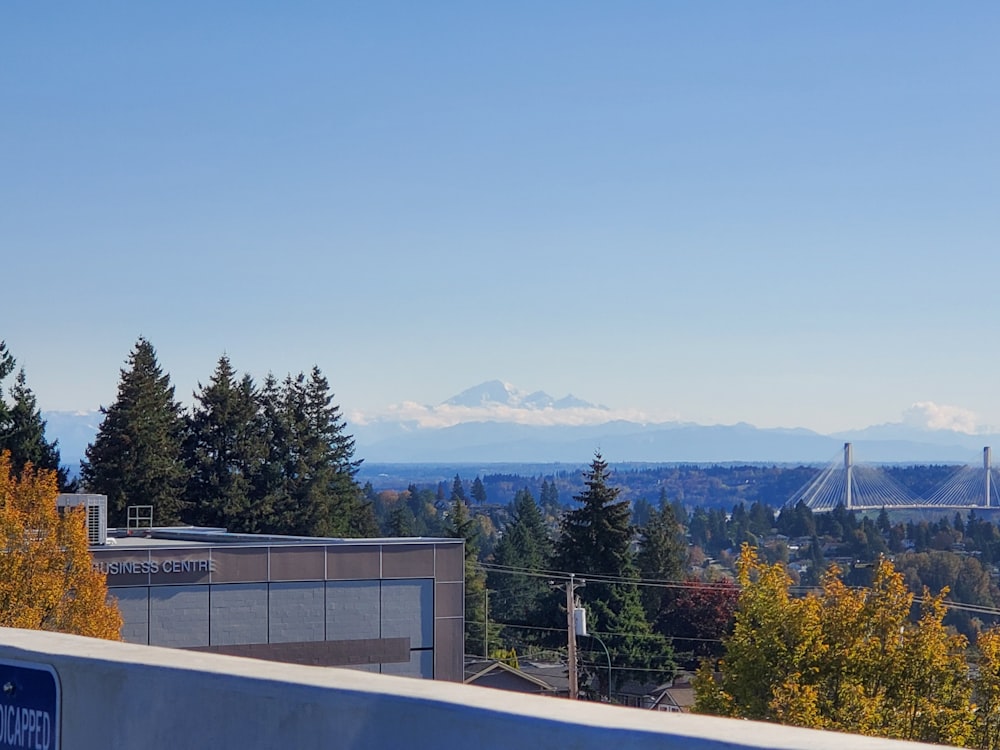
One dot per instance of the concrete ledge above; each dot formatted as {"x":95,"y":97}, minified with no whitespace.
{"x":129,"y":696}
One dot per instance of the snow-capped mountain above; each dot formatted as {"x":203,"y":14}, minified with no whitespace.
{"x":498,"y":393}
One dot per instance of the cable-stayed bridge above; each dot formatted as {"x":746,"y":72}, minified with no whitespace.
{"x":868,"y":487}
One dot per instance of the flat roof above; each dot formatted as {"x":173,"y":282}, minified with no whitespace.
{"x":194,"y":536}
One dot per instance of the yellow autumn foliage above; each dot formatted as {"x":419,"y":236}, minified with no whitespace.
{"x":843,"y":659}
{"x":47,"y":581}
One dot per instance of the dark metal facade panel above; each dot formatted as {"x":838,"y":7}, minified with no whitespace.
{"x":353,"y":563}
{"x":239,"y":565}
{"x":449,"y":599}
{"x":298,"y":563}
{"x":449,"y":562}
{"x":449,"y":649}
{"x":408,"y":561}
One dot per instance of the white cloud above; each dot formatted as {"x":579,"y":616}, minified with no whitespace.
{"x":930,"y":416}
{"x":446,"y":415}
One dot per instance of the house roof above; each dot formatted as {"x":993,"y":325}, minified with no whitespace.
{"x":499,"y":665}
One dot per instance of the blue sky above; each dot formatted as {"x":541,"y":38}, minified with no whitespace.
{"x":780,"y":213}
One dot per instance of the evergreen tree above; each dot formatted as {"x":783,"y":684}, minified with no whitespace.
{"x":458,"y":490}
{"x":224,"y":451}
{"x":548,"y":498}
{"x":23,"y":433}
{"x":316,"y":494}
{"x":595,"y":540}
{"x":268,"y":485}
{"x":662,"y":556}
{"x":401,"y":521}
{"x":6,"y":368}
{"x":478,"y":491}
{"x":524,"y":546}
{"x":462,"y":526}
{"x":136,"y":457}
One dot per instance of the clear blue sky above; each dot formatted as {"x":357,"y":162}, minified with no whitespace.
{"x":784,"y":213}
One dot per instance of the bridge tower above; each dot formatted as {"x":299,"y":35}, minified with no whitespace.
{"x":848,"y":476}
{"x":987,"y":461}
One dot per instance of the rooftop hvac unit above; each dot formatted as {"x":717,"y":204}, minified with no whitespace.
{"x":96,"y":508}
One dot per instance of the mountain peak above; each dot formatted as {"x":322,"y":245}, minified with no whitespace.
{"x":499,"y":393}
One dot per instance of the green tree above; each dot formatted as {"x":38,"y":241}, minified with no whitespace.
{"x":7,"y":364}
{"x":22,"y":433}
{"x":311,"y":487}
{"x":458,"y":490}
{"x":595,"y":542}
{"x":662,"y":556}
{"x":478,"y":491}
{"x":548,"y":498}
{"x":224,"y":451}
{"x":401,"y":521}
{"x":136,"y":457}
{"x":462,"y":526}
{"x":524,"y":547}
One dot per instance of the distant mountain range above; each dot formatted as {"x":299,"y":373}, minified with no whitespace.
{"x":494,"y":422}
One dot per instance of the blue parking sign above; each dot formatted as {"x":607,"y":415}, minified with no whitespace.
{"x":29,"y":706}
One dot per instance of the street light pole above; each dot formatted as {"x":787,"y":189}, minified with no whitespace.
{"x":607,"y":654}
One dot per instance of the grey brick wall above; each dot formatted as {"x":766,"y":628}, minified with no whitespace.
{"x":353,"y":610}
{"x":133,"y":603}
{"x":296,"y":612}
{"x":408,"y":611}
{"x":238,"y":613}
{"x":178,"y":616}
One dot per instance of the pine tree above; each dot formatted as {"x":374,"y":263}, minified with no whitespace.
{"x":524,"y":547}
{"x":662,"y":556}
{"x":595,"y":539}
{"x":224,"y":451}
{"x":458,"y":490}
{"x":462,"y":526}
{"x":548,"y":498}
{"x":478,"y":491}
{"x":6,"y":368}
{"x":136,"y":457}
{"x":310,"y":483}
{"x":23,"y":433}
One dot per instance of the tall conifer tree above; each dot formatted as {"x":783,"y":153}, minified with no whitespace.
{"x":136,"y":457}
{"x":316,"y":493}
{"x":662,"y":555}
{"x":23,"y":433}
{"x":524,"y":546}
{"x":225,"y":451}
{"x":463,"y":526}
{"x":595,"y":540}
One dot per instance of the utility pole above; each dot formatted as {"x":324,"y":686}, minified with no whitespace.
{"x":574,"y":688}
{"x":572,"y":584}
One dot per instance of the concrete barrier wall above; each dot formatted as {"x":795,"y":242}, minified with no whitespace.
{"x":116,"y":695}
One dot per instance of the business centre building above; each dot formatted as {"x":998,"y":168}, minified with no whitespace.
{"x":394,"y":606}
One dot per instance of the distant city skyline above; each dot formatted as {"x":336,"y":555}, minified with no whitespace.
{"x":779,"y":214}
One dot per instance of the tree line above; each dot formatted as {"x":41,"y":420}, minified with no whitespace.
{"x":271,"y":458}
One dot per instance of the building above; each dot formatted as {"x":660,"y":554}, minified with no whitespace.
{"x":394,"y":606}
